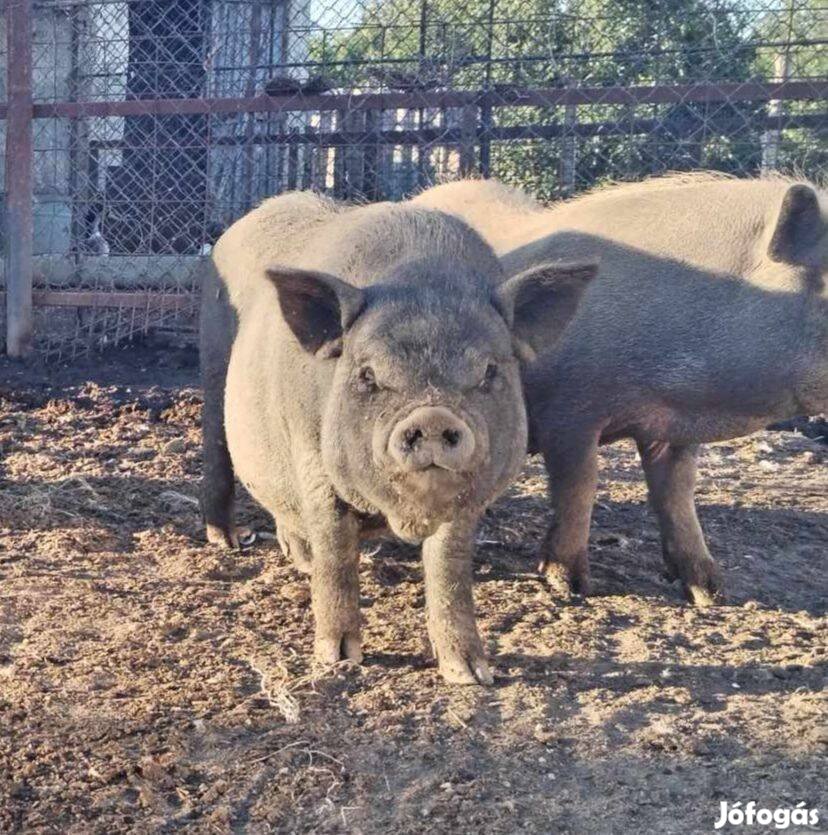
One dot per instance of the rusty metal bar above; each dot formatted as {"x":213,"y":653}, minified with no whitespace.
{"x":19,"y":178}
{"x":816,"y":90}
{"x":108,"y":299}
{"x":720,"y":123}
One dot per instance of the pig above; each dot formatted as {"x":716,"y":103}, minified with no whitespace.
{"x":361,"y":374}
{"x":709,"y":321}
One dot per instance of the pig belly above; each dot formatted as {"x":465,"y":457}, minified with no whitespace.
{"x":259,"y":477}
{"x":682,"y":428}
{"x":258,"y":459}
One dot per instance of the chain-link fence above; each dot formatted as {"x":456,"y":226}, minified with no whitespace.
{"x":156,"y":123}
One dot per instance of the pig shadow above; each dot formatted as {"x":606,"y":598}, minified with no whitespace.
{"x":774,"y":556}
{"x":706,"y":689}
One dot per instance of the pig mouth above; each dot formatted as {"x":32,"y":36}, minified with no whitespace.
{"x":427,"y":499}
{"x":432,"y":496}
{"x":423,"y":507}
{"x":425,"y":483}
{"x":437,"y":468}
{"x":429,"y":440}
{"x":433,"y":484}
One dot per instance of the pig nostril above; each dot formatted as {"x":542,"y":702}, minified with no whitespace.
{"x":451,"y":437}
{"x":412,"y":437}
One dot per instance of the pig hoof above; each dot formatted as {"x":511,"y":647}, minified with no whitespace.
{"x":333,"y":650}
{"x":564,"y":582}
{"x":247,"y":536}
{"x":699,"y":596}
{"x":224,"y":537}
{"x":232,"y":537}
{"x":702,"y":583}
{"x":460,"y":671}
{"x":704,"y":594}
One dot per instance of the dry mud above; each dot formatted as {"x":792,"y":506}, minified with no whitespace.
{"x":151,"y":683}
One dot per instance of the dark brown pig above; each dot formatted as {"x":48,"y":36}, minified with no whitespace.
{"x":360,"y":372}
{"x":709,"y":321}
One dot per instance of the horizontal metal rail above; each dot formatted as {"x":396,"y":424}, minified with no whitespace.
{"x":455,"y":136}
{"x":708,"y":92}
{"x":109,"y":299}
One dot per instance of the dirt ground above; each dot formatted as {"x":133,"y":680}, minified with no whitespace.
{"x":151,"y":683}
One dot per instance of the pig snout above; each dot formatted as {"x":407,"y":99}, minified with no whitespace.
{"x":432,"y":436}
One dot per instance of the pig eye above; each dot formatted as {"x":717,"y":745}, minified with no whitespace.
{"x":366,"y":380}
{"x":490,"y":376}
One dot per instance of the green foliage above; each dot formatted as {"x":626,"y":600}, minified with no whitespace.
{"x":480,"y":44}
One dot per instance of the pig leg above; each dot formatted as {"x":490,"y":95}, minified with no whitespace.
{"x":334,"y":574}
{"x":447,"y":564}
{"x":216,"y":334}
{"x":294,"y":547}
{"x":572,"y":464}
{"x":671,"y":478}
{"x":217,"y":486}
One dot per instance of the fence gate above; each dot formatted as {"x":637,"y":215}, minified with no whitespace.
{"x":136,"y":131}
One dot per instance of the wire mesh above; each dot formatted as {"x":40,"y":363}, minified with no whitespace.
{"x":159,"y":122}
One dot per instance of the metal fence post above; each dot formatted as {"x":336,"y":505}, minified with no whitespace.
{"x":468,"y":137}
{"x":19,"y":179}
{"x":776,"y":109}
{"x":569,"y":150}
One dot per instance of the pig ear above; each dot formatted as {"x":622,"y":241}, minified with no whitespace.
{"x":318,"y":307}
{"x":539,"y":302}
{"x":798,"y":227}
